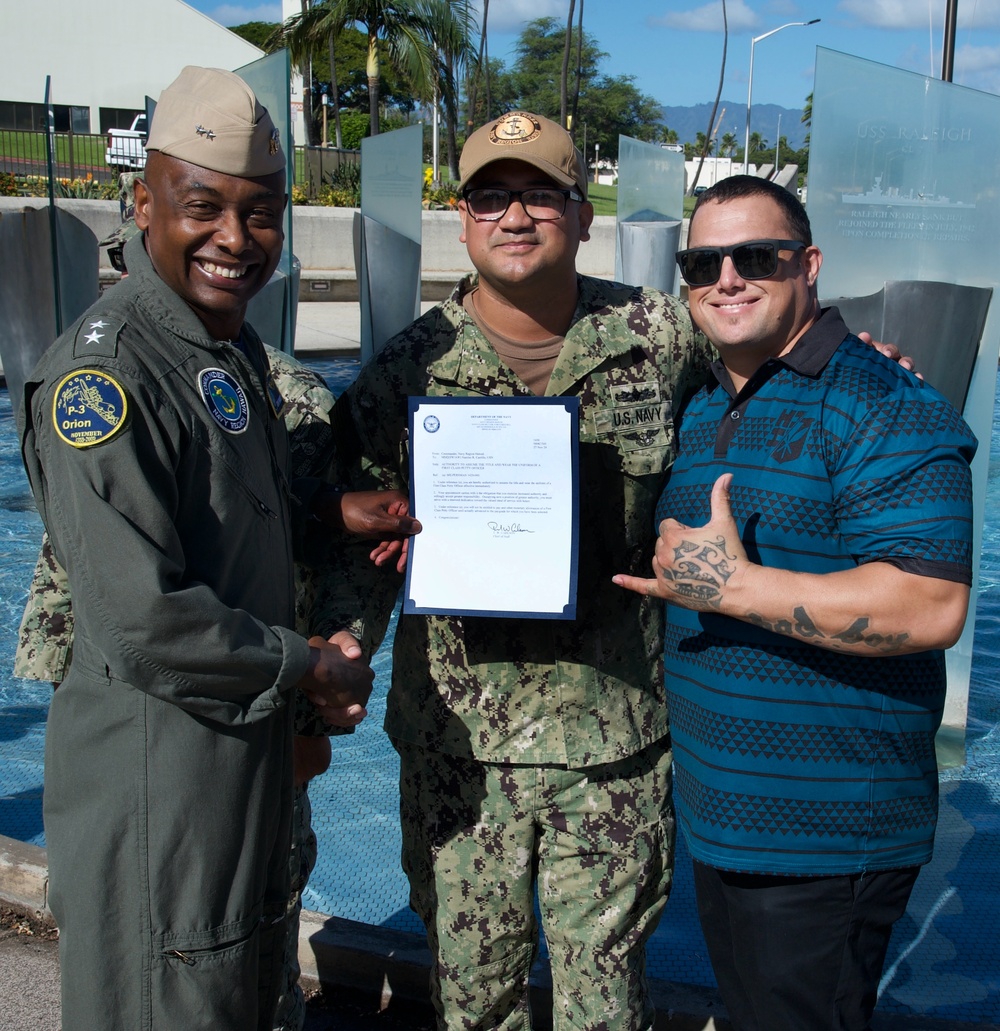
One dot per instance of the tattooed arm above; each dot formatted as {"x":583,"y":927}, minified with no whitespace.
{"x":875,"y":609}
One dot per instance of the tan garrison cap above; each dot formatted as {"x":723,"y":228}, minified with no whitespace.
{"x":521,"y":136}
{"x":211,"y":118}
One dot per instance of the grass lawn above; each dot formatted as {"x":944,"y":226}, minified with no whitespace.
{"x":605,"y":200}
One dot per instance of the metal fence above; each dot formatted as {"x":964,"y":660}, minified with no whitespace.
{"x":76,"y":155}
{"x":80,"y":156}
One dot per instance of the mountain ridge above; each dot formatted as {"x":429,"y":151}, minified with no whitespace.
{"x":687,"y":122}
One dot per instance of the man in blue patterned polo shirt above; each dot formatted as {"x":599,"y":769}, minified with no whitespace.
{"x":817,"y":561}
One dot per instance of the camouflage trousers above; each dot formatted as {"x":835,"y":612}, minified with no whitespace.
{"x":598,"y":844}
{"x":291,"y":1013}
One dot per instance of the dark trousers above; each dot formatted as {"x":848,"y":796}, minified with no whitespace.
{"x":799,"y":953}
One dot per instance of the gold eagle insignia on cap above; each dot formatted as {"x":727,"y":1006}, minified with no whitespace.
{"x":516,"y":127}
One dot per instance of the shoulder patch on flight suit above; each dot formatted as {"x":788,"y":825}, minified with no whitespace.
{"x":89,"y":407}
{"x":225,"y":400}
{"x":97,"y":337}
{"x":274,"y":396}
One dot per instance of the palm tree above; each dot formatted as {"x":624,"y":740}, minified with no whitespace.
{"x":567,"y":113}
{"x":452,"y":27}
{"x":482,"y":67}
{"x":579,"y":72}
{"x":564,"y":77}
{"x":402,"y":29}
{"x":718,"y":93}
{"x":728,"y":144}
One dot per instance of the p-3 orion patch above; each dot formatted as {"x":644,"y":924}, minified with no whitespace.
{"x":89,"y":408}
{"x":224,"y":399}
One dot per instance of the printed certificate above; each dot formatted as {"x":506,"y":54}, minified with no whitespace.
{"x":494,"y":482}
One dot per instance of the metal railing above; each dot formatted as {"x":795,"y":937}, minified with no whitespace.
{"x":77,"y":155}
{"x":80,"y":156}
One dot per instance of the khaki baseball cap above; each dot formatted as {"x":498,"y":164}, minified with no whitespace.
{"x":521,"y":136}
{"x":212,"y":118}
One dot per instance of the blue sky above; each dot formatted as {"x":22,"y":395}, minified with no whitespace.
{"x":674,"y":47}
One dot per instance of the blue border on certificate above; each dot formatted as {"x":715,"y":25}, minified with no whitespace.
{"x":572,"y":406}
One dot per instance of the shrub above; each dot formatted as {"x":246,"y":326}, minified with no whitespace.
{"x":342,"y":188}
{"x":87,"y":188}
{"x":8,"y":185}
{"x":353,"y":129}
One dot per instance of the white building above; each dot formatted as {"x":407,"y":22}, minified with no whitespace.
{"x":712,"y":171}
{"x":103,"y":59}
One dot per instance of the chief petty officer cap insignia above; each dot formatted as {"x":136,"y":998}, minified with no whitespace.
{"x":89,"y":408}
{"x":224,"y":399}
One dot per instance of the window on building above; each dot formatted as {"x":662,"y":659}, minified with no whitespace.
{"x":17,"y":114}
{"x":117,"y":117}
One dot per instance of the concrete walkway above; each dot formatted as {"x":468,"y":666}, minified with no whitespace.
{"x":331,"y":327}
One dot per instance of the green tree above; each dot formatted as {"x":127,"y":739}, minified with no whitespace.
{"x":807,"y":119}
{"x":256,"y":32}
{"x":608,"y":105}
{"x":728,"y":144}
{"x":490,"y":92}
{"x":537,"y":69}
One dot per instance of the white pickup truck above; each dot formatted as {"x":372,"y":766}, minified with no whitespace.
{"x":126,"y":147}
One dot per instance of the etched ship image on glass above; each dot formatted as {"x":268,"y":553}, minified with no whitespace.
{"x":892,"y":196}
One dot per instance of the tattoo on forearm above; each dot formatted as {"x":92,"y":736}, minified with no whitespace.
{"x":804,"y":628}
{"x":700,"y":570}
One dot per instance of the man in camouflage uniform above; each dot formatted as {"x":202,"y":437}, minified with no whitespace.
{"x":45,"y":639}
{"x":533,"y":752}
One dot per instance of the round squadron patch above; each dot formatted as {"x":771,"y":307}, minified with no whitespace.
{"x":89,"y":408}
{"x":224,"y":399}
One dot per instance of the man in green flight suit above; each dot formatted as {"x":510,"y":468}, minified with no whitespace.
{"x":153,"y":438}
{"x":45,"y":639}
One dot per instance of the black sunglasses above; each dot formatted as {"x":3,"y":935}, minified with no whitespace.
{"x":542,"y":204}
{"x":755,"y":259}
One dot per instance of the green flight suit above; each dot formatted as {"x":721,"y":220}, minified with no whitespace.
{"x":159,"y":465}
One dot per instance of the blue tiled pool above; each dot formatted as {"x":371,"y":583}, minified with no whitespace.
{"x":945,"y":957}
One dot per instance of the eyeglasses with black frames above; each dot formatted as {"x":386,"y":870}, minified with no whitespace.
{"x":542,"y":204}
{"x":754,"y":259}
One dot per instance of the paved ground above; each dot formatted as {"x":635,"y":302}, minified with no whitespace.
{"x":331,"y":327}
{"x":29,"y":990}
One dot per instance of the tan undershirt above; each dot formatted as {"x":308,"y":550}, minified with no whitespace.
{"x":532,"y":363}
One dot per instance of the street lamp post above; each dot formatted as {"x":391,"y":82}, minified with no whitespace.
{"x":753,"y":42}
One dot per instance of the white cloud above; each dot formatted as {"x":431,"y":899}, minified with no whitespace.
{"x":240,"y":14}
{"x":910,"y":14}
{"x":708,"y":18}
{"x":513,"y":15}
{"x":978,"y":67}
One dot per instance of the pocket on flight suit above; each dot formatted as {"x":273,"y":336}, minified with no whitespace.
{"x":224,"y":979}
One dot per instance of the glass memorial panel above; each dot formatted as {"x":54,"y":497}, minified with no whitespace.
{"x":650,"y":213}
{"x":391,"y":207}
{"x":272,"y":311}
{"x":902,"y":187}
